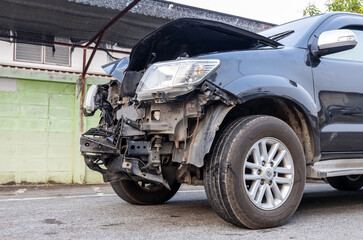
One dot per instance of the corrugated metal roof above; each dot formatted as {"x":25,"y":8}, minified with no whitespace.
{"x":80,"y":20}
{"x":172,"y":11}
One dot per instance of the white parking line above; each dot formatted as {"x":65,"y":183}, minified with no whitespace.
{"x":26,"y":199}
{"x":93,"y":195}
{"x":80,"y":196}
{"x":49,"y":198}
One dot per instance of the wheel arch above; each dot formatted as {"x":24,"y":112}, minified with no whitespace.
{"x":282,"y":98}
{"x":262,"y":95}
{"x":286,"y":110}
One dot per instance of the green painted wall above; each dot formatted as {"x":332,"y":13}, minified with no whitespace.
{"x":40,"y":129}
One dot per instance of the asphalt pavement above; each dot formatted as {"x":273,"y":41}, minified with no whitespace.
{"x":95,"y":212}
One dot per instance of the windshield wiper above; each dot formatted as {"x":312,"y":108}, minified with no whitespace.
{"x":281,"y":35}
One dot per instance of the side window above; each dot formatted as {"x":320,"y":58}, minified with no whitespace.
{"x":355,"y":54}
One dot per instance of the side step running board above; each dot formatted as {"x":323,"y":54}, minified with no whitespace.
{"x":334,"y":168}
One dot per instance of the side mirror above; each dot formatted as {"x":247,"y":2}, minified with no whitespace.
{"x":334,"y":41}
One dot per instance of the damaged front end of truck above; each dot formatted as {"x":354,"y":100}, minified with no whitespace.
{"x":160,"y":117}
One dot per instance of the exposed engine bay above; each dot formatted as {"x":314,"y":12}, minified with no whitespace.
{"x":153,"y":139}
{"x":160,"y":117}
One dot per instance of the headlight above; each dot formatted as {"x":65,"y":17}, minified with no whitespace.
{"x":174,"y":78}
{"x":89,"y":103}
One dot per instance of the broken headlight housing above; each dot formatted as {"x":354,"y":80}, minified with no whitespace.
{"x":89,"y":103}
{"x":174,"y":78}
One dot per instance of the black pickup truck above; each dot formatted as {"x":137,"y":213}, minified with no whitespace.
{"x":250,"y":116}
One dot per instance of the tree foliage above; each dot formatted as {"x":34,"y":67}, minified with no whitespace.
{"x":311,"y":10}
{"x":355,"y":6}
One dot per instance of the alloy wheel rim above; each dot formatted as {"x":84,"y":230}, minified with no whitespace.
{"x":268,"y":173}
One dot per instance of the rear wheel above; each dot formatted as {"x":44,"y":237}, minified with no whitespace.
{"x":256,"y":175}
{"x":346,"y":183}
{"x":144,"y":193}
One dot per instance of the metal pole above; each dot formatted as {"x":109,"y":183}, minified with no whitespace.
{"x":113,"y":21}
{"x":83,"y":88}
{"x":93,"y":53}
{"x":81,"y":46}
{"x":98,"y":37}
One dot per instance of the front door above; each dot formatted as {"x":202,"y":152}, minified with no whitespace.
{"x":338,"y":80}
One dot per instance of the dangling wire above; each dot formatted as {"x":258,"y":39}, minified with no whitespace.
{"x":195,"y":128}
{"x":185,"y":129}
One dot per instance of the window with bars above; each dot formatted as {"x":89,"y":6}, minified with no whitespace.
{"x":43,"y":54}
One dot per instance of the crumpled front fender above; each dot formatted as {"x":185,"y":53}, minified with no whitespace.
{"x":203,"y":139}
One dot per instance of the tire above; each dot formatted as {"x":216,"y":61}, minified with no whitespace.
{"x":346,"y":183}
{"x":233,"y":171}
{"x":149,"y":194}
{"x":212,"y":175}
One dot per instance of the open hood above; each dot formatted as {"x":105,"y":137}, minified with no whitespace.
{"x":192,"y":37}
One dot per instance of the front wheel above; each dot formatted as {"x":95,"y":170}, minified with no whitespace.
{"x":346,"y":183}
{"x":142,"y":193}
{"x":256,"y":175}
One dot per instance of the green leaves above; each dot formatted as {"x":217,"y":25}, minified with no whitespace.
{"x":311,"y":10}
{"x":354,"y":6}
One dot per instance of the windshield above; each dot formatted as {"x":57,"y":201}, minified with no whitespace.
{"x":293,"y":33}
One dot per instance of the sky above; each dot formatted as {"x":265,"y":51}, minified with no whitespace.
{"x":272,"y":11}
